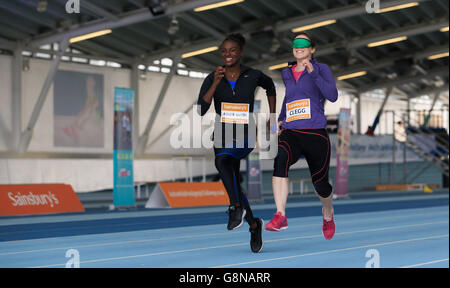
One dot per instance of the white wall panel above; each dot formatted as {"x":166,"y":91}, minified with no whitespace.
{"x":5,"y":100}
{"x":95,"y":174}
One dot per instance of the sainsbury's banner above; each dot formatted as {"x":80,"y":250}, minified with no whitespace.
{"x":38,"y":199}
{"x":180,"y":194}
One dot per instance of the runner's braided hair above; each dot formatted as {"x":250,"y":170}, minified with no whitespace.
{"x":237,"y":38}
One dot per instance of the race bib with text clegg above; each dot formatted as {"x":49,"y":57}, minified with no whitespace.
{"x":299,"y":109}
{"x":235,"y":113}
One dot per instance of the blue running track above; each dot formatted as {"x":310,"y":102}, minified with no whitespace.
{"x":405,"y":229}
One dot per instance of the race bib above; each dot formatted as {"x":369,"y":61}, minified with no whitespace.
{"x":299,"y":109}
{"x":235,"y":113}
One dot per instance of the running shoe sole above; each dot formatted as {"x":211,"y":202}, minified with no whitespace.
{"x":262,"y":241}
{"x":277,"y":230}
{"x":242,"y":220}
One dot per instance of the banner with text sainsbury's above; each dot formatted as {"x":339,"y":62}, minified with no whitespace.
{"x":38,"y":199}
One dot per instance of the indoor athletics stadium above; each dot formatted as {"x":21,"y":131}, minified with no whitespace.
{"x":326,"y":146}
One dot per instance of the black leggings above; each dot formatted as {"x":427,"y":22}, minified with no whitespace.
{"x":314,"y":144}
{"x":228,"y":162}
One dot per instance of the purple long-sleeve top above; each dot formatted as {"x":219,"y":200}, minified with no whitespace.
{"x":303,"y":104}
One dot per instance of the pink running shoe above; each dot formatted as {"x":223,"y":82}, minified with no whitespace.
{"x":277,"y":223}
{"x":328,"y":227}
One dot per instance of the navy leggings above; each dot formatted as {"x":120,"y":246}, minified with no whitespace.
{"x":314,"y":145}
{"x":228,"y":162}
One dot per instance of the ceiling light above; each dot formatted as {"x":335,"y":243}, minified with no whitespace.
{"x":89,"y":36}
{"x":397,"y":7}
{"x":278,"y":66}
{"x":387,"y":41}
{"x":315,"y":25}
{"x":217,"y":5}
{"x":437,"y":56}
{"x":352,"y":75}
{"x":444,"y":29}
{"x":201,"y":51}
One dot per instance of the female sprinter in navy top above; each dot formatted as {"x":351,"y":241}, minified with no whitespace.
{"x":232,"y":86}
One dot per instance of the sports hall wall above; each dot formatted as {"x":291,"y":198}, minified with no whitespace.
{"x":90,"y":168}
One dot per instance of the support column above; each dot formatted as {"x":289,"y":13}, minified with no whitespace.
{"x":394,"y":145}
{"x":134,"y":84}
{"x":143,"y":139}
{"x":408,"y":111}
{"x":371,"y":129}
{"x":16,"y":117}
{"x":26,"y":135}
{"x":406,"y":123}
{"x":358,"y":114}
{"x":427,"y":118}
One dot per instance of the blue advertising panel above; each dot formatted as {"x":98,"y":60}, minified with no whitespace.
{"x":123,"y":193}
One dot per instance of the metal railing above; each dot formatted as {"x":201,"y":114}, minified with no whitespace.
{"x":429,"y":143}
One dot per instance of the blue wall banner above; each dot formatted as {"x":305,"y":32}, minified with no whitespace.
{"x":123,"y":193}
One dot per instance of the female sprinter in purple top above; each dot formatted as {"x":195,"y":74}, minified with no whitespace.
{"x":302,"y":131}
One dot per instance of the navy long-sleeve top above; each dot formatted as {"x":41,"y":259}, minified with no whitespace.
{"x":234,"y":106}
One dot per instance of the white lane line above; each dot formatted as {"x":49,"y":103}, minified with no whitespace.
{"x":147,"y":255}
{"x":359,"y":231}
{"x":191,"y":236}
{"x":426,"y":263}
{"x":242,"y":244}
{"x":333,"y":251}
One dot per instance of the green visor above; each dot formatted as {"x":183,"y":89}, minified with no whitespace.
{"x":301,"y":43}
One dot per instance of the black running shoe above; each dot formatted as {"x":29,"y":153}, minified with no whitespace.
{"x":235,"y":217}
{"x":256,"y":241}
